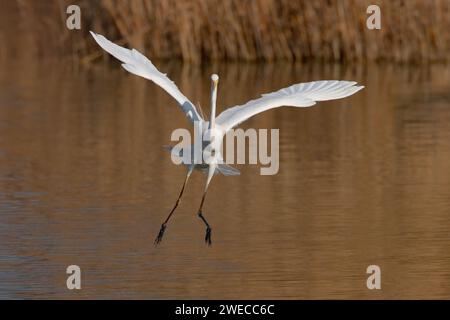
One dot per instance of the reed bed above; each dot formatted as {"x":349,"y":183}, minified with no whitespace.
{"x":251,"y":30}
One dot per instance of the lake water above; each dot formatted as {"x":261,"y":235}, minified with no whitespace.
{"x":84,"y":181}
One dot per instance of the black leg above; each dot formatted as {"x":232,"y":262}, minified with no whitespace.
{"x":208,"y":228}
{"x":164,"y":225}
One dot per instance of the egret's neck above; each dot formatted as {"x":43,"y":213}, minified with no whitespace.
{"x":212,"y":121}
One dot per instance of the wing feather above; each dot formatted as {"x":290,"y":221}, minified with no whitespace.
{"x":136,"y":63}
{"x":297,"y":95}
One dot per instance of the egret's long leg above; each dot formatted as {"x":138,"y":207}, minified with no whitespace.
{"x":211,"y":170}
{"x":164,"y":225}
{"x":208,"y":227}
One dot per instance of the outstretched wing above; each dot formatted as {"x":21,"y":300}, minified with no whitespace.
{"x":136,"y":63}
{"x":297,"y":95}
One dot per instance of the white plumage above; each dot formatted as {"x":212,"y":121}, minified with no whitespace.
{"x":138,"y":64}
{"x":297,"y":95}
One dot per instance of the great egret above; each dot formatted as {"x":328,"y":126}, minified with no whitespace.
{"x":297,"y":95}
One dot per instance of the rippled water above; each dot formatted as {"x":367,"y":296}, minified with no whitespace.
{"x":84,"y":180}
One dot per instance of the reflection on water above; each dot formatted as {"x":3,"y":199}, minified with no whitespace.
{"x":84,"y":180}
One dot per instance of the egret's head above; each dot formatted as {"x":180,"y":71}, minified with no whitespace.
{"x":215,"y":80}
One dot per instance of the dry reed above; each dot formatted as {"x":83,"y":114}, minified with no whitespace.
{"x":267,"y":30}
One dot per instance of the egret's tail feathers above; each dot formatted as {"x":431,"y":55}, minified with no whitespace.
{"x":222,"y":168}
{"x":227,"y":170}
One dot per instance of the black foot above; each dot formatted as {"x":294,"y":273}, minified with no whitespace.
{"x":208,"y":236}
{"x":160,"y":234}
{"x":208,"y":229}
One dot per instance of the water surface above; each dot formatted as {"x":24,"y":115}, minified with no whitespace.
{"x":84,"y":180}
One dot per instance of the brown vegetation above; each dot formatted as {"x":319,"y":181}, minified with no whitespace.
{"x":250,"y":30}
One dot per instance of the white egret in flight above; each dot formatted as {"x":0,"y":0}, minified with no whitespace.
{"x":297,"y":95}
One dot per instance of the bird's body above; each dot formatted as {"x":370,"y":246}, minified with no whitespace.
{"x":297,"y":95}
{"x":202,"y":165}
